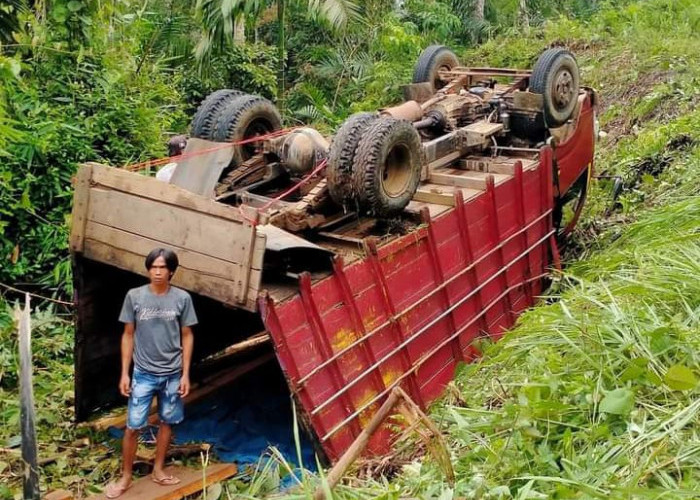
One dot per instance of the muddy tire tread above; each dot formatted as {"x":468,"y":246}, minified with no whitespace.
{"x":204,"y":119}
{"x":367,"y":166}
{"x":342,"y":155}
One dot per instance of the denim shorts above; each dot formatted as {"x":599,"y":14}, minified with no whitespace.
{"x":144,"y":386}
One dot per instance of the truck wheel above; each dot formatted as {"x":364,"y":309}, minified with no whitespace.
{"x":342,"y":155}
{"x":430,"y":62}
{"x":244,"y":117}
{"x":387,"y":166}
{"x":204,"y":119}
{"x":556,"y":77}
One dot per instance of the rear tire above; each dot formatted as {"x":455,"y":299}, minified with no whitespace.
{"x":204,"y":120}
{"x":342,"y":155}
{"x":245,"y":117}
{"x":387,"y":167}
{"x":556,"y":77}
{"x":430,"y":62}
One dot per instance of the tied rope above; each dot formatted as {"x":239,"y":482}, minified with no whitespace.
{"x":135,"y":167}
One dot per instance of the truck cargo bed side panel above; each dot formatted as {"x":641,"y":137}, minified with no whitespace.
{"x":410,"y":311}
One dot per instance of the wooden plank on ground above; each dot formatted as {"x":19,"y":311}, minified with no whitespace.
{"x":191,"y":481}
{"x":153,"y":189}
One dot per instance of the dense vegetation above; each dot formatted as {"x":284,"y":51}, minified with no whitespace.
{"x":593,"y":395}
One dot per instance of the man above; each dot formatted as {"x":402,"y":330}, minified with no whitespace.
{"x":158,"y":337}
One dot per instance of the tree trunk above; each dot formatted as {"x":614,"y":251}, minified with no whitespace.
{"x":239,"y":30}
{"x":280,"y":55}
{"x":524,"y":17}
{"x":479,"y":9}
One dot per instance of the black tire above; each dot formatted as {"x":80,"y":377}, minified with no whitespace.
{"x":342,"y":155}
{"x":245,"y":117}
{"x":204,"y":119}
{"x":556,"y":77}
{"x":429,"y":63}
{"x":387,"y":167}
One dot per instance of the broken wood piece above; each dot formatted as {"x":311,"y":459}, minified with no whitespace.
{"x":59,"y":495}
{"x":434,"y":441}
{"x":191,"y":481}
{"x":174,"y":450}
{"x":238,"y":347}
{"x":358,"y":446}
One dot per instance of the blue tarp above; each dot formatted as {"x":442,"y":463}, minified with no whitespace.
{"x":242,"y":420}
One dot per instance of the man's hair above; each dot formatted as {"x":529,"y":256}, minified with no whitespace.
{"x":170,"y":257}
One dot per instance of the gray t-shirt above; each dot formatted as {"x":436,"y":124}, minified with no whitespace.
{"x":158,"y":320}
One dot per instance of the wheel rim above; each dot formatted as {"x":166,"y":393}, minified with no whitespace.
{"x":439,"y":82}
{"x":396,"y":171}
{"x":255,"y":128}
{"x":563,"y":88}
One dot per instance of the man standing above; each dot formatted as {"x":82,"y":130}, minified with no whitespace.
{"x":158,"y":337}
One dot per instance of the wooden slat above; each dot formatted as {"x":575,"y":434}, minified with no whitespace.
{"x":192,"y":480}
{"x":415,"y":207}
{"x":79,"y":215}
{"x":216,"y":288}
{"x":458,"y":180}
{"x":442,"y":195}
{"x":153,"y":189}
{"x":171,"y":224}
{"x":135,"y":243}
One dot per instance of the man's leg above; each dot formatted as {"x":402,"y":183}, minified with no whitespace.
{"x":165,"y":432}
{"x":171,"y":412}
{"x":129,"y":444}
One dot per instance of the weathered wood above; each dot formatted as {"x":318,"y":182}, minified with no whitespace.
{"x":219,"y":289}
{"x":445,"y":160}
{"x":442,"y":194}
{"x":59,"y":495}
{"x":191,"y":481}
{"x":357,"y":446}
{"x":458,"y":180}
{"x":153,"y":189}
{"x":199,"y":391}
{"x":238,"y":347}
{"x":170,"y":224}
{"x":204,"y":263}
{"x":27,"y":425}
{"x":435,"y":442}
{"x":144,"y":454}
{"x":81,"y":202}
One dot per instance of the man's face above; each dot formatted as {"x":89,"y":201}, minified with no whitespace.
{"x":158,"y":272}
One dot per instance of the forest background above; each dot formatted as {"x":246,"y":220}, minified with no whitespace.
{"x":110,"y":80}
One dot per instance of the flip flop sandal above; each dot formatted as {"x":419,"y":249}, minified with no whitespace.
{"x":113,"y":490}
{"x":166,"y":481}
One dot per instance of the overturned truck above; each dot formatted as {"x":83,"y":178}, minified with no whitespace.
{"x":364,"y":262}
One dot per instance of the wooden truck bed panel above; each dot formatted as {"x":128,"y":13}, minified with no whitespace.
{"x":119,"y":217}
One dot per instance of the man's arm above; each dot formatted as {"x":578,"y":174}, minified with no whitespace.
{"x":127,"y":354}
{"x":187,"y":345}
